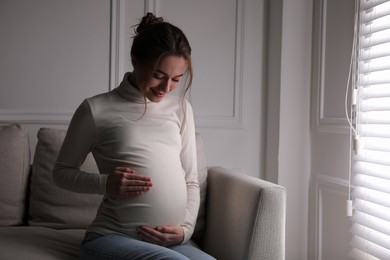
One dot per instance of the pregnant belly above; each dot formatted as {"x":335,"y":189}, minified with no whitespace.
{"x":164,"y":204}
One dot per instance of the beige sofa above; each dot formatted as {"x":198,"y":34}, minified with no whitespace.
{"x":241,"y":217}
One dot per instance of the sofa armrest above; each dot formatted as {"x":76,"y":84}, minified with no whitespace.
{"x":245,"y":217}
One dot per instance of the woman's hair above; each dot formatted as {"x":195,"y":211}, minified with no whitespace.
{"x":154,"y":38}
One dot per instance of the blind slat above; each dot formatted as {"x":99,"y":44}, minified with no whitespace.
{"x":359,"y":254}
{"x":378,"y":145}
{"x":371,"y":182}
{"x":375,"y":38}
{"x":374,"y":157}
{"x":379,"y":64}
{"x":377,"y":197}
{"x":368,"y":4}
{"x":378,"y":104}
{"x":372,"y":235}
{"x":373,"y":250}
{"x":375,"y":12}
{"x":372,"y":169}
{"x":376,"y":117}
{"x":381,"y":50}
{"x":375,"y":91}
{"x":371,"y":209}
{"x":376,"y":26}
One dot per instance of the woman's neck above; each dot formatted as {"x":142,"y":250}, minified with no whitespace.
{"x":133,"y":81}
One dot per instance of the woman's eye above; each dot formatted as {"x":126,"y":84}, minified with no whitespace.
{"x":175,"y":80}
{"x":158,"y":76}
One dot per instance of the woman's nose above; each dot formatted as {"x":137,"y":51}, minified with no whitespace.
{"x":166,"y":86}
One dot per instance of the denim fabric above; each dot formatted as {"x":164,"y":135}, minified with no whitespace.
{"x":115,"y":247}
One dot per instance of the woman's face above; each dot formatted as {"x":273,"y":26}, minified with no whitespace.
{"x":164,"y":78}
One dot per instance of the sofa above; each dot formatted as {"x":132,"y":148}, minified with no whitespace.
{"x":240,"y":217}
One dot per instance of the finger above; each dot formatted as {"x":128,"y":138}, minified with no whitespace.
{"x":149,"y":230}
{"x":128,"y":170}
{"x":134,"y":181}
{"x":150,"y":235}
{"x":124,"y":169}
{"x":173,"y":235}
{"x":167,"y":230}
{"x":127,"y":189}
{"x":138,"y":185}
{"x":133,"y":191}
{"x":133,"y":176}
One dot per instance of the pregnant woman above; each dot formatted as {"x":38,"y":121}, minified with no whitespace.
{"x":143,"y":141}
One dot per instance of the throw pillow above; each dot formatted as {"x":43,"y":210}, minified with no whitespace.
{"x":14,"y":170}
{"x":51,"y":206}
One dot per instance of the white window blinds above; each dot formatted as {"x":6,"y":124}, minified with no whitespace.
{"x":371,"y":162}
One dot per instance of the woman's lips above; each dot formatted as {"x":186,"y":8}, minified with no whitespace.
{"x":158,"y":94}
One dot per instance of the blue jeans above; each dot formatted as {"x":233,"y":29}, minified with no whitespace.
{"x":113,"y":246}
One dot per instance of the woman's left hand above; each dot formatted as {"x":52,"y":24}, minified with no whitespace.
{"x":164,"y":235}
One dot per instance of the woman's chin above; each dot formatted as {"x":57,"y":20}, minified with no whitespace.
{"x":156,"y":98}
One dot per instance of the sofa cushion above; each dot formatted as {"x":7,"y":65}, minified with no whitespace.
{"x":39,"y":243}
{"x":14,"y":170}
{"x":51,"y":206}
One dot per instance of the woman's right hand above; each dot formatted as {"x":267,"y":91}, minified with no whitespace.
{"x":125,"y":182}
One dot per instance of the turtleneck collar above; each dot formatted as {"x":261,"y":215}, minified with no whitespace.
{"x":130,"y":92}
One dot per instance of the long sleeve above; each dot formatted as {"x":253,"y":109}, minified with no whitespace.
{"x":77,"y":144}
{"x":189,"y":162}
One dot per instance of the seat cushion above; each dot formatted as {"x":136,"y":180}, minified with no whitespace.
{"x":14,"y":170}
{"x":39,"y":243}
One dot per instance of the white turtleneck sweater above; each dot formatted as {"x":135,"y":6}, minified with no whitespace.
{"x":116,"y":129}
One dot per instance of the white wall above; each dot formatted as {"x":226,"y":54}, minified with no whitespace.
{"x":288,"y":132}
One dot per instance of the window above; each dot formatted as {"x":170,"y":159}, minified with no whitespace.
{"x":371,"y":122}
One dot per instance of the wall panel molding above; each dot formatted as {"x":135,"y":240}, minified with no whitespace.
{"x":236,"y":119}
{"x":116,"y":70}
{"x":324,"y":123}
{"x":325,"y":183}
{"x":202,"y":120}
{"x":32,"y":117}
{"x":116,"y":42}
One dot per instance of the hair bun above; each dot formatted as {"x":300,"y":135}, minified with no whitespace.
{"x":148,"y":20}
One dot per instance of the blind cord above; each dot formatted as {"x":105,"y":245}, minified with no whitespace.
{"x":351,"y":112}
